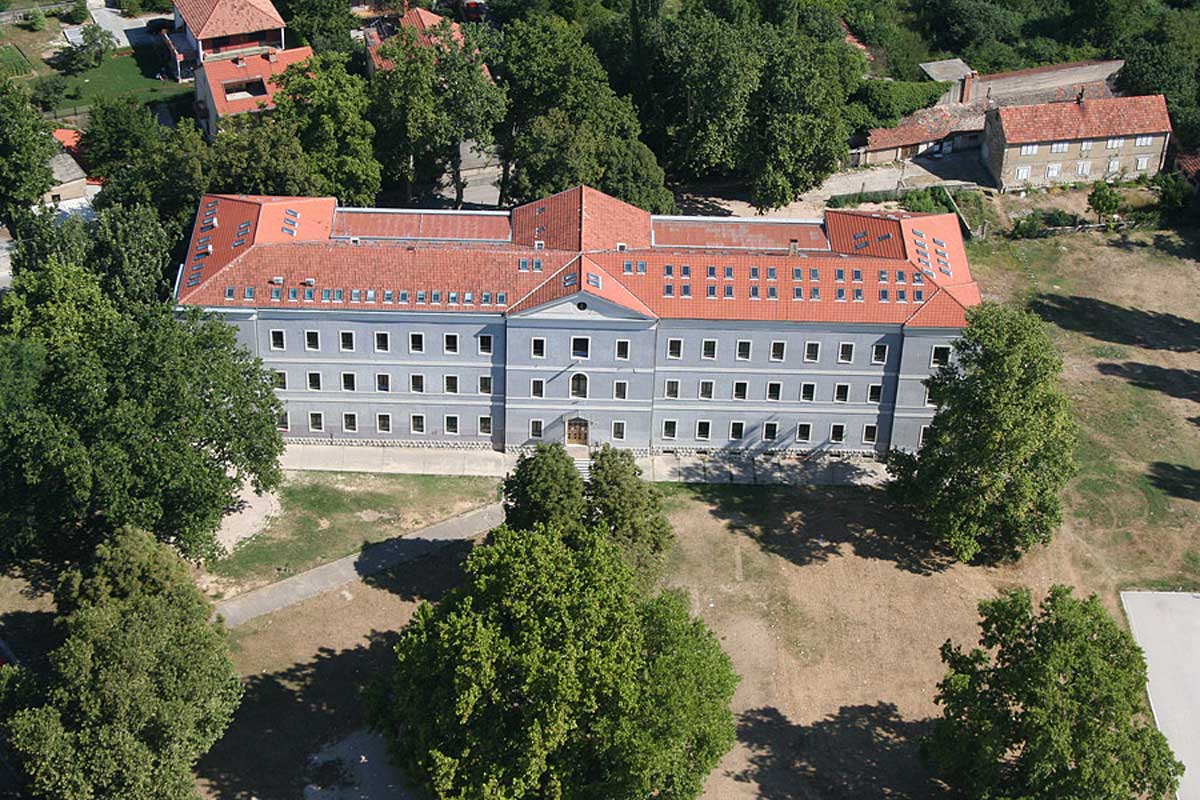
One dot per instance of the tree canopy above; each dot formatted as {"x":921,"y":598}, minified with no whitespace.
{"x":141,"y":687}
{"x":26,"y":148}
{"x":1000,"y":448}
{"x":1052,"y":705}
{"x":325,"y":25}
{"x":629,"y":509}
{"x":544,"y":487}
{"x":259,"y":154}
{"x":544,"y":676}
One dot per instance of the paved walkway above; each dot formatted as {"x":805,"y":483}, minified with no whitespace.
{"x":817,"y":470}
{"x":371,"y":560}
{"x":1167,"y":626}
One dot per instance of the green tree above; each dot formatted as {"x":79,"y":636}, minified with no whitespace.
{"x":76,"y":14}
{"x":629,"y":509}
{"x":544,"y":487}
{"x":544,"y":676}
{"x":142,"y":418}
{"x":26,"y":148}
{"x":1167,"y":61}
{"x":260,"y":154}
{"x":141,"y":687}
{"x":95,"y":44}
{"x":48,"y":91}
{"x":131,"y":252}
{"x":404,"y":111}
{"x":1052,"y":706}
{"x":1000,"y":448}
{"x":118,"y":131}
{"x":1104,"y":200}
{"x":328,"y":108}
{"x":35,"y":19}
{"x":40,"y":236}
{"x":323,"y":24}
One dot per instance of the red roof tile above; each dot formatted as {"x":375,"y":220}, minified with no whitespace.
{"x":237,"y":72}
{"x":926,"y":125}
{"x":1092,"y":119}
{"x":738,"y":233}
{"x":580,"y":228}
{"x":211,"y":18}
{"x":423,"y":23}
{"x":1188,"y":164}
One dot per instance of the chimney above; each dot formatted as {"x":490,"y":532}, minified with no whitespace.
{"x":1079,"y":99}
{"x":793,"y":246}
{"x":968,"y":82}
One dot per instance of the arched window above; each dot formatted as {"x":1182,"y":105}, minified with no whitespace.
{"x":579,"y":384}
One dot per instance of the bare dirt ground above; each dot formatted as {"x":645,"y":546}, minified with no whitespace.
{"x":249,"y":517}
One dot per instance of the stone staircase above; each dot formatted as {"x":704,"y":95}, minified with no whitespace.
{"x":584,"y":465}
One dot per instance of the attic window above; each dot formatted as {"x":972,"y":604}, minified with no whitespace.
{"x":200,"y":256}
{"x":435,"y":297}
{"x":452,"y":298}
{"x":861,"y":245}
{"x":292,"y":213}
{"x":641,"y":268}
{"x":485,"y":299}
{"x":242,"y":225}
{"x":207,"y":228}
{"x":945,"y":272}
{"x":370,"y":295}
{"x":686,"y":290}
{"x":249,"y":293}
{"x":669,"y":290}
{"x":943,"y":262}
{"x":523,"y":265}
{"x":570,"y":279}
{"x":288,"y":231}
{"x":918,"y":295}
{"x":938,"y":242}
{"x":883,"y":237}
{"x":628,"y":268}
{"x":228,"y":292}
{"x":502,"y":298}
{"x":593,"y":279}
{"x":941,"y":253}
{"x":403,"y":296}
{"x":211,"y":204}
{"x":918,"y":277}
{"x":204,"y":240}
{"x":539,"y":245}
{"x":537,"y":265}
{"x":291,"y":223}
{"x":238,"y":242}
{"x":860,"y":235}
{"x":421,"y":297}
{"x":918,"y":233}
{"x":468,"y":298}
{"x":621,"y":247}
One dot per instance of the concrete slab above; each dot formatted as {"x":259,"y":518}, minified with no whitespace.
{"x":1167,"y":626}
{"x":129,"y":31}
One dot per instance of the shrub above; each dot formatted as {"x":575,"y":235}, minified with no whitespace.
{"x":1174,"y":191}
{"x":35,"y":19}
{"x":934,"y":200}
{"x":76,"y":14}
{"x":48,"y":91}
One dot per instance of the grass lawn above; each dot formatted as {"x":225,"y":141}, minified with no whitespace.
{"x":325,"y":516}
{"x":31,"y":44}
{"x":126,"y":73}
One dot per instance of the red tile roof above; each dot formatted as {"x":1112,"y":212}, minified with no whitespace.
{"x":211,"y":18}
{"x":423,"y":23}
{"x":236,"y":72}
{"x":1092,"y":119}
{"x":461,"y":254}
{"x":927,"y":125}
{"x":1188,"y":164}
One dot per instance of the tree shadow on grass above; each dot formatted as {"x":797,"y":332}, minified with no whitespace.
{"x":429,"y":569}
{"x":31,"y":635}
{"x":1153,"y":330}
{"x":811,"y":524}
{"x":1183,"y":383}
{"x":863,"y":751}
{"x":1177,"y":480}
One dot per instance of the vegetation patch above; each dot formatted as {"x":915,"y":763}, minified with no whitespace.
{"x":13,"y":63}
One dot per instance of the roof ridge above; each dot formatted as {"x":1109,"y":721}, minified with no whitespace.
{"x":549,"y":277}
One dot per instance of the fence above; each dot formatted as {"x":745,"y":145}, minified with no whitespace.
{"x":18,"y":14}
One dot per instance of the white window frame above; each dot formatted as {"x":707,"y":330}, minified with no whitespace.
{"x":480,"y":339}
{"x":275,"y":385}
{"x":424,"y":385}
{"x":541,"y":429}
{"x":308,"y":381}
{"x":733,"y":422}
{"x":446,"y":384}
{"x":921,"y":435}
{"x":309,"y":349}
{"x":342,"y":342}
{"x":1029,"y":149}
{"x":446,"y":425}
{"x":716,"y":349}
{"x":1142,"y":163}
{"x":1085,"y":146}
{"x":319,"y":416}
{"x":771,"y":353}
{"x":533,"y":382}
{"x":733,"y":395}
{"x":874,"y":348}
{"x":712,"y":390}
{"x":874,"y":439}
{"x":587,"y":386}
{"x":833,"y":425}
{"x":706,"y":437}
{"x":1116,"y":143}
{"x":667,"y":389}
{"x":617,"y":350}
{"x":353,"y":379}
{"x":286,"y":418}
{"x":447,"y":338}
{"x":352,"y":418}
{"x":1053,"y":170}
{"x":778,"y":394}
{"x":879,"y":387}
{"x":1059,"y":147}
{"x":1114,"y":166}
{"x":412,"y":427}
{"x":282,"y":339}
{"x":675,"y":434}
{"x":533,"y":347}
{"x":933,"y":354}
{"x":815,"y":359}
{"x":387,"y":338}
{"x":838,"y":386}
{"x":421,"y":339}
{"x":737,"y":351}
{"x":1143,"y":141}
{"x":1022,"y":173}
{"x":842,"y":360}
{"x":380,"y":417}
{"x":479,"y":424}
{"x":805,"y":439}
{"x":587,"y":339}
{"x":616,"y":394}
{"x":807,"y":384}
{"x":479,"y":385}
{"x":613,"y":430}
{"x":765,"y":425}
{"x":1083,"y":168}
{"x":677,"y":343}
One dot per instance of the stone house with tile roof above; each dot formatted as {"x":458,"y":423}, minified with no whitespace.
{"x":208,"y":30}
{"x":581,"y":319}
{"x":1076,"y":142}
{"x":243,"y":84}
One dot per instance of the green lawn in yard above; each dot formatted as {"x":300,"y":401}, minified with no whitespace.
{"x":329,"y":515}
{"x":123,"y":74}
{"x":12,"y":63}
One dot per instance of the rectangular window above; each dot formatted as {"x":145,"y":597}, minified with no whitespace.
{"x":416,"y":384}
{"x":349,"y":382}
{"x":812,"y":352}
{"x":1143,"y":141}
{"x":770,"y":431}
{"x":280,"y":379}
{"x":535,"y":429}
{"x":450,"y":344}
{"x":312,"y":340}
{"x":1085,"y":146}
{"x":739,"y":390}
{"x":837,"y":433}
{"x":316,"y":422}
{"x":921,"y":437}
{"x":416,"y":343}
{"x":581,"y":346}
{"x":621,"y":390}
{"x":940,"y":356}
{"x":622,"y":350}
{"x":618,"y":431}
{"x":1114,"y":165}
{"x":538,"y":349}
{"x":416,"y":423}
{"x":1052,"y":170}
{"x":846,"y":353}
{"x":1029,"y":149}
{"x":879,"y":354}
{"x":708,"y":349}
{"x":383,"y":342}
{"x":1143,"y":162}
{"x":841,"y":393}
{"x":346,"y":341}
{"x":778,"y":349}
{"x":283,"y":422}
{"x":737,"y":430}
{"x":1114,"y":144}
{"x":743,"y":350}
{"x":383,"y":382}
{"x":1022,"y":173}
{"x":484,"y":343}
{"x":450,"y":384}
{"x":314,"y":381}
{"x":485,"y":425}
{"x":277,"y":340}
{"x":350,"y":422}
{"x":808,"y":392}
{"x":804,"y":432}
{"x":875,"y":393}
{"x":671,"y":390}
{"x":774,"y":390}
{"x":797,"y":292}
{"x":1058,"y":147}
{"x":537,"y":387}
{"x":703,"y":430}
{"x":383,"y":423}
{"x":674,"y":348}
{"x":450,"y":424}
{"x":485,"y":384}
{"x":670,"y":427}
{"x":706,"y":390}
{"x":870,"y":434}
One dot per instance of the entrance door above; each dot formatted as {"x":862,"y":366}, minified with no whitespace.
{"x":577,"y":431}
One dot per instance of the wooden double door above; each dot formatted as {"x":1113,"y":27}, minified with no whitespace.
{"x":577,"y":431}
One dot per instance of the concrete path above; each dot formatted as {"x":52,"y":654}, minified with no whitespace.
{"x":1167,"y":626}
{"x":371,"y":560}
{"x":128,"y":31}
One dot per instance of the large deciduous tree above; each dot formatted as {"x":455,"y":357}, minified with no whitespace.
{"x":26,"y":148}
{"x":140,"y":418}
{"x":544,"y":487}
{"x":1051,"y":706}
{"x":1001,"y":445}
{"x":323,"y":24}
{"x":328,"y":107}
{"x":141,"y":687}
{"x":629,"y":509}
{"x":118,"y":130}
{"x":259,"y":154}
{"x":543,"y":676}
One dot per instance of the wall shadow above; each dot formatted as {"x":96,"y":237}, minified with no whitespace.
{"x":1183,"y":383}
{"x":862,"y":751}
{"x":811,"y":524}
{"x":1152,"y":330}
{"x":1177,"y":480}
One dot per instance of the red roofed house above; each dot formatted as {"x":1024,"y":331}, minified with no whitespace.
{"x":421,"y":22}
{"x":581,"y":319}
{"x":207,"y":30}
{"x":1078,"y":142}
{"x":241,"y":84}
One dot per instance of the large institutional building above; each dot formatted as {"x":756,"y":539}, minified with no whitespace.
{"x":584,"y":320}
